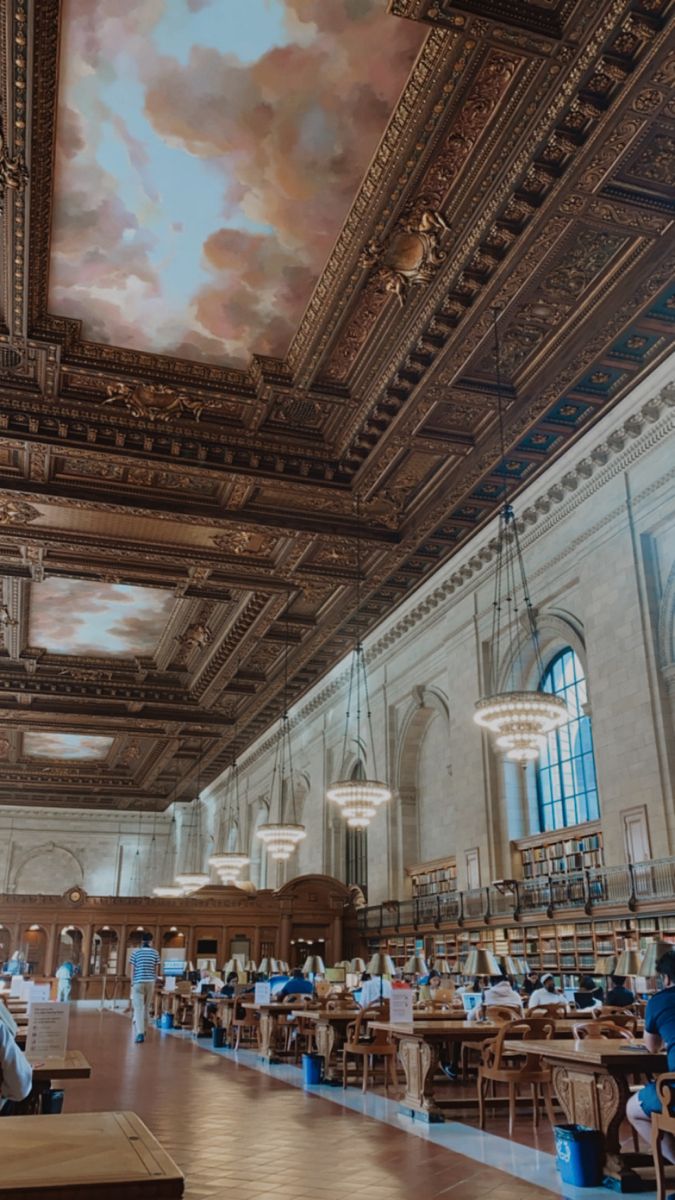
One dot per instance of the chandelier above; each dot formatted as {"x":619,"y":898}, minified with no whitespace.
{"x":358,"y":796}
{"x":228,"y":864}
{"x":518,"y":718}
{"x":280,"y":838}
{"x":193,"y":877}
{"x":171,"y":892}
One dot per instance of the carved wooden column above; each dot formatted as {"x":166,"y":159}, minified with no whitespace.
{"x":50,"y":949}
{"x":87,"y":938}
{"x":419,"y":1060}
{"x":284,"y":951}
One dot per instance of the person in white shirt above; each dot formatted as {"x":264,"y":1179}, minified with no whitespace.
{"x":16,"y":1074}
{"x":499,"y":992}
{"x":547,"y":994}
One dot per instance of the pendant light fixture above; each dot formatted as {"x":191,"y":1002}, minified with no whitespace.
{"x":519,"y":718}
{"x":359,"y":797}
{"x":169,"y":891}
{"x":281,"y":839}
{"x":229,"y":863}
{"x":193,"y":877}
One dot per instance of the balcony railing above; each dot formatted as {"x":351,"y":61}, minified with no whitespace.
{"x":632,"y":885}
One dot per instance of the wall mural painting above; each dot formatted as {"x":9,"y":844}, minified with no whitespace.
{"x":70,"y":616}
{"x":65,"y":746}
{"x":207,"y":156}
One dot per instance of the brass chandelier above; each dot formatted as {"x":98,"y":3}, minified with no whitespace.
{"x":518,"y":718}
{"x":358,"y":796}
{"x":228,"y":864}
{"x":281,"y":838}
{"x":193,"y":876}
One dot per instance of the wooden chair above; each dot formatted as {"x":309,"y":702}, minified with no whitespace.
{"x":379,"y":1045}
{"x":499,"y":1067}
{"x":601,"y":1029}
{"x":499,"y":1013}
{"x":245,"y":1028}
{"x":556,"y":1011}
{"x":663,"y":1123}
{"x":624,"y":1017}
{"x":291,"y":1024}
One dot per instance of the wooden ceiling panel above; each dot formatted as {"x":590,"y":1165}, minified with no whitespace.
{"x":527,"y":165}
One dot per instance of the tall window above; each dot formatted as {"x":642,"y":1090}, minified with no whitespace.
{"x":566,"y":784}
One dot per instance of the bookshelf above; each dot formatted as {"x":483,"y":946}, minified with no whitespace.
{"x":434,"y":878}
{"x":579,"y":850}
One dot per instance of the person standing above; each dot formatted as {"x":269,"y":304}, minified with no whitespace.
{"x":144,"y":964}
{"x":64,"y":976}
{"x":659,"y":1034}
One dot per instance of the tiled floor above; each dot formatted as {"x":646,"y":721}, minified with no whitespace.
{"x":245,"y":1134}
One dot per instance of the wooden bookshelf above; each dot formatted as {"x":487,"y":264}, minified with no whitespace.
{"x":580,"y":849}
{"x":435,"y":878}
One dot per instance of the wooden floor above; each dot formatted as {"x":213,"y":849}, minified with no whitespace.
{"x":236,"y":1133}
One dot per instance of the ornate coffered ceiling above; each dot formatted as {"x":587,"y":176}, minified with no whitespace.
{"x":156,"y":511}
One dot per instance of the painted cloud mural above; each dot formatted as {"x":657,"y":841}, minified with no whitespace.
{"x":65,"y":745}
{"x":69,"y":616}
{"x":207,"y":155}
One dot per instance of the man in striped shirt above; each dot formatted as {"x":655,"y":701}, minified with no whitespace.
{"x":144,"y":964}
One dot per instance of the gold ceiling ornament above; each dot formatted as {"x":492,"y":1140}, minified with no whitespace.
{"x":196,"y":635}
{"x":519,"y":718}
{"x":281,"y":838}
{"x":411,"y":255}
{"x":13,"y":171}
{"x":153,"y":402}
{"x":358,"y":796}
{"x":16,"y":512}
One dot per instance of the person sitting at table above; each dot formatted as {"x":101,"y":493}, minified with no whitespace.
{"x":297,"y":985}
{"x":659,"y":1032}
{"x":430,"y":986}
{"x":619,"y":996}
{"x":499,"y":992}
{"x":531,"y":982}
{"x":231,"y":981}
{"x":547,"y":994}
{"x":16,"y":1073}
{"x":589,"y":994}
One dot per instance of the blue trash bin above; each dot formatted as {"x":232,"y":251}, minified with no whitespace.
{"x":166,"y":1021}
{"x":218,"y":1037}
{"x":579,"y":1155}
{"x":312,"y":1065}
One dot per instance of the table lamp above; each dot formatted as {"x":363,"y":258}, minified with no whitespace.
{"x":416,"y":965}
{"x":357,"y":966}
{"x":605,"y":964}
{"x":480,"y":961}
{"x":269,"y":966}
{"x":314,"y":965}
{"x":442,"y":966}
{"x":250,"y":966}
{"x":509,"y":965}
{"x":654,"y":951}
{"x":381,"y":965}
{"x":629,"y":963}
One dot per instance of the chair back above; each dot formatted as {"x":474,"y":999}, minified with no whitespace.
{"x":601,"y":1029}
{"x":534,"y":1028}
{"x":297,"y":999}
{"x":494,"y":1055}
{"x":548,"y":1010}
{"x":620,"y":1016}
{"x":499,"y":1013}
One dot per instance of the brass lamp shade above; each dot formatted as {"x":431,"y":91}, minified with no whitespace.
{"x":655,"y":950}
{"x":629,"y":963}
{"x":357,"y":966}
{"x":270,"y":966}
{"x":509,"y":965}
{"x":480,"y":961}
{"x":605,"y":964}
{"x":442,"y":966}
{"x":314,"y":965}
{"x":415,"y":966}
{"x":232,"y":965}
{"x":249,"y":965}
{"x":381,"y":964}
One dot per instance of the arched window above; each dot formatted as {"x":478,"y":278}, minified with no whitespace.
{"x":566,"y":784}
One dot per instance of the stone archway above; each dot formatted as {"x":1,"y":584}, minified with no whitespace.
{"x":47,"y":870}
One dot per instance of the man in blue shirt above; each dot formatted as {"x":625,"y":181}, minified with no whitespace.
{"x":659,"y":1032}
{"x":296,"y":986}
{"x":619,"y":996}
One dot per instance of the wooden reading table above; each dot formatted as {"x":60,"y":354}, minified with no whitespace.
{"x":73,"y":1065}
{"x":85,"y":1156}
{"x":591,"y":1082}
{"x":270,"y":1026}
{"x":419,"y":1050}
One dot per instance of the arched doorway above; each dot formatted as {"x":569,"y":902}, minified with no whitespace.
{"x":69,"y":948}
{"x":104,"y":952}
{"x":34,"y":949}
